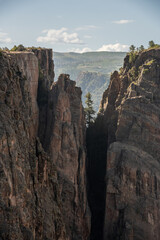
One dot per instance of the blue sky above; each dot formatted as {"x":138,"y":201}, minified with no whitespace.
{"x":74,"y":25}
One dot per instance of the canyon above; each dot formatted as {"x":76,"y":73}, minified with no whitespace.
{"x":62,"y":181}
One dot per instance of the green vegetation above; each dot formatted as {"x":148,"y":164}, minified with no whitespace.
{"x":133,"y":51}
{"x":132,"y":57}
{"x":99,"y":62}
{"x":90,"y":70}
{"x":89,"y":111}
{"x":1,"y":52}
{"x":132,"y":48}
{"x":95,"y":83}
{"x":22,"y":48}
{"x":141,"y":48}
{"x":137,"y":50}
{"x":18,"y":48}
{"x":132,"y":54}
{"x":150,"y":62}
{"x":151,"y":44}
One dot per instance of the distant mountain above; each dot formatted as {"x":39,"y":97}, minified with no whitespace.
{"x":95,"y":83}
{"x":90,"y":70}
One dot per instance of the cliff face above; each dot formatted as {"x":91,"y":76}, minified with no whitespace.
{"x":33,"y":193}
{"x":130,"y":111}
{"x":66,"y":131}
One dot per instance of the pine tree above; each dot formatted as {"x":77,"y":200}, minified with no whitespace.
{"x":151,"y":44}
{"x":132,"y":48}
{"x":89,"y":111}
{"x":141,"y":48}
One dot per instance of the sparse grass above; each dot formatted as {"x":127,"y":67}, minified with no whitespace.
{"x":155,"y":46}
{"x":150,"y":62}
{"x":145,"y":70}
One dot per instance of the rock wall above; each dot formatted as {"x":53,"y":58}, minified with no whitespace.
{"x":65,"y":140}
{"x":130,"y":110}
{"x":35,"y":195}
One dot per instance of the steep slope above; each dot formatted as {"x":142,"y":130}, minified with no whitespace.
{"x":132,"y":197}
{"x":27,"y":199}
{"x":129,"y":119}
{"x":33,"y":140}
{"x":65,"y":141}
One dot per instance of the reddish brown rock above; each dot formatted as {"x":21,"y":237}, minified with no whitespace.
{"x":29,"y":198}
{"x":66,"y":131}
{"x":35,"y":202}
{"x":28,"y":66}
{"x":131,"y":119}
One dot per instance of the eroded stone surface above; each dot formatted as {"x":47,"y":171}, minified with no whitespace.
{"x":131,"y":119}
{"x":35,"y":201}
{"x":66,"y":131}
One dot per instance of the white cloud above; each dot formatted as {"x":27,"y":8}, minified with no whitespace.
{"x":105,"y":48}
{"x":114,"y":48}
{"x":86,"y":27}
{"x":78,"y":50}
{"x":123,"y":21}
{"x":59,"y":36}
{"x":4,"y":38}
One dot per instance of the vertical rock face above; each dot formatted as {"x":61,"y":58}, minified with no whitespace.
{"x":28,"y":67}
{"x":130,"y":111}
{"x":33,"y":197}
{"x":65,"y":140}
{"x":29,"y":207}
{"x":46,"y":66}
{"x":45,"y":81}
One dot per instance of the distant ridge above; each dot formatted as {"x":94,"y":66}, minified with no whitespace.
{"x":98,"y":64}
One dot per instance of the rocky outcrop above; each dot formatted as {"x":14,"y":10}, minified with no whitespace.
{"x":40,"y":127}
{"x":29,"y":207}
{"x":65,"y":140}
{"x":130,"y":110}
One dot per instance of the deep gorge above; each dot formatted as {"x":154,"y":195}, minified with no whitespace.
{"x":61,"y":181}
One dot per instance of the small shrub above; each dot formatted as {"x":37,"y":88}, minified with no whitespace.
{"x":18,"y":48}
{"x":14,"y":48}
{"x":21,"y":48}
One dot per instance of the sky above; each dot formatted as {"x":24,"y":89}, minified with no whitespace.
{"x":79,"y":25}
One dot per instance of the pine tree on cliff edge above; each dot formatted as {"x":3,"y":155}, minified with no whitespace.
{"x":89,"y":111}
